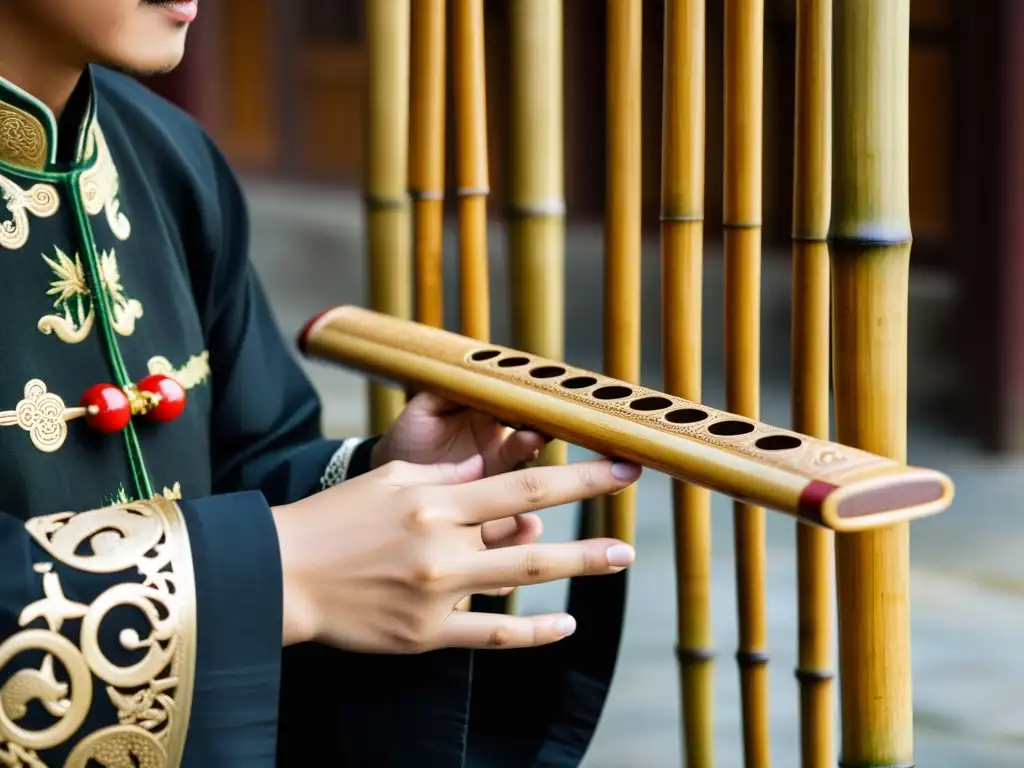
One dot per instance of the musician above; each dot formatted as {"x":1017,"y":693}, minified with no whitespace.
{"x":172,"y":517}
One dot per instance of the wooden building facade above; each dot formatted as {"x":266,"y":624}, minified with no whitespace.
{"x":279,"y":83}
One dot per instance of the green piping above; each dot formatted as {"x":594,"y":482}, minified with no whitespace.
{"x":101,"y":303}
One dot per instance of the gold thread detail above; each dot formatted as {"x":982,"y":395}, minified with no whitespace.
{"x":22,"y":138}
{"x":40,"y":200}
{"x":75,"y":302}
{"x":43,"y":415}
{"x":173,"y":493}
{"x":140,"y":401}
{"x":191,"y":374}
{"x":100,"y":185}
{"x":153,"y":694}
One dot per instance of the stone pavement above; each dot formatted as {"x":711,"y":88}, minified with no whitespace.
{"x":968,"y":579}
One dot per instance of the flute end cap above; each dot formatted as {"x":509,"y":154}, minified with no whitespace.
{"x":311,"y":326}
{"x":909,"y":494}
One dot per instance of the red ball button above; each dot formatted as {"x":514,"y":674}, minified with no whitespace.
{"x":172,"y":397}
{"x":109,"y":409}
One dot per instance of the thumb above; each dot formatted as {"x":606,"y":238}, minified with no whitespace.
{"x":403,"y":474}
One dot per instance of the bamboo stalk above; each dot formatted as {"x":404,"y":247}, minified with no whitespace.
{"x":470,"y":78}
{"x":682,"y":231}
{"x":387,"y":158}
{"x":744,"y":53}
{"x":623,"y":235}
{"x":537,"y":184}
{"x":812,"y":175}
{"x":471,"y":167}
{"x":426,"y":157}
{"x":869,"y":243}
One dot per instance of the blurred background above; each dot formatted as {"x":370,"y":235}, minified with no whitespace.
{"x":280,"y":85}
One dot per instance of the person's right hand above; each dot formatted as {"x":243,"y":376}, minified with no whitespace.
{"x":378,"y":563}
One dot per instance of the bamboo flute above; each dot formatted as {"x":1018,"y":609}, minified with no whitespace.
{"x":812,"y":174}
{"x":387,"y":162}
{"x":822,"y":482}
{"x":682,"y":232}
{"x":537,"y":184}
{"x":744,"y":53}
{"x":623,"y":222}
{"x":869,"y":245}
{"x":471,"y":171}
{"x":426,"y":157}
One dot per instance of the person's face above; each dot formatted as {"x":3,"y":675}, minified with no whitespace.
{"x":138,"y":36}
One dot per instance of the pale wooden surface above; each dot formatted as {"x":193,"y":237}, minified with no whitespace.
{"x":967,"y":572}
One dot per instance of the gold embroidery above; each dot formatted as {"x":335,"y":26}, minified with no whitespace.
{"x":121,"y":497}
{"x":191,"y":374}
{"x":74,"y":300}
{"x":173,"y":493}
{"x":100,"y":185}
{"x":22,"y":138}
{"x":153,"y":695}
{"x":41,"y":200}
{"x":43,"y":415}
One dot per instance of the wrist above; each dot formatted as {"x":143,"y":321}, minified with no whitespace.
{"x":299,"y":614}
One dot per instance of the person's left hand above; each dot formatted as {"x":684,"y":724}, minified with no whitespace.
{"x":432,"y":430}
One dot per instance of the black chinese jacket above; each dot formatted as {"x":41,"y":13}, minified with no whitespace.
{"x":140,"y":581}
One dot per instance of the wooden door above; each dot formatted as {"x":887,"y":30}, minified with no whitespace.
{"x":248,"y":130}
{"x":328,"y":116}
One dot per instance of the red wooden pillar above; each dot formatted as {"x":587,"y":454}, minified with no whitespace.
{"x":990,"y":209}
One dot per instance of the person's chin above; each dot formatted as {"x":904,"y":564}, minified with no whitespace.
{"x":152,"y":61}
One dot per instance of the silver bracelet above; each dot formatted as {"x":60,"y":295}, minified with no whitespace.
{"x":336,"y":470}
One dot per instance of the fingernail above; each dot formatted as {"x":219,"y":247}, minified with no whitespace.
{"x":565,"y":626}
{"x":620,"y":555}
{"x":622,"y":470}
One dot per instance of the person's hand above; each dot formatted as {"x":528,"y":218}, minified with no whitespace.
{"x":378,"y":563}
{"x":432,"y":430}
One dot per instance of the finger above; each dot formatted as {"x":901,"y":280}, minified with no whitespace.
{"x":536,"y":488}
{"x":402,"y":474}
{"x":540,"y":563}
{"x":512,"y":531}
{"x":494,"y":631}
{"x":433,"y":405}
{"x":498,"y":592}
{"x":518,"y":447}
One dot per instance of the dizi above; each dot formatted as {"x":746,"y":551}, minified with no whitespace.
{"x":818,"y":481}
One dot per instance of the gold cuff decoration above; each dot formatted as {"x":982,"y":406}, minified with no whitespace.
{"x":147,"y":544}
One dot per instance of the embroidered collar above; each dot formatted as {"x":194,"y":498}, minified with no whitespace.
{"x":31,"y":137}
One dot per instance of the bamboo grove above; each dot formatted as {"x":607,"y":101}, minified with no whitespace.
{"x":850,"y":255}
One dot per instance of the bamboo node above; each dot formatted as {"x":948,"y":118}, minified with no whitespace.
{"x":742,"y":225}
{"x":681,"y":217}
{"x":813,"y":675}
{"x":695,"y":655}
{"x":552,"y":207}
{"x":752,"y":658}
{"x":385,"y":202}
{"x":473,"y":191}
{"x":424,"y":194}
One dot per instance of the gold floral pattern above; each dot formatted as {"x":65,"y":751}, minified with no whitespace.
{"x":75,"y":302}
{"x":40,"y":200}
{"x":147,"y":543}
{"x":172,"y":493}
{"x":100,"y":185}
{"x":22,"y":138}
{"x":191,"y":374}
{"x":43,"y":415}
